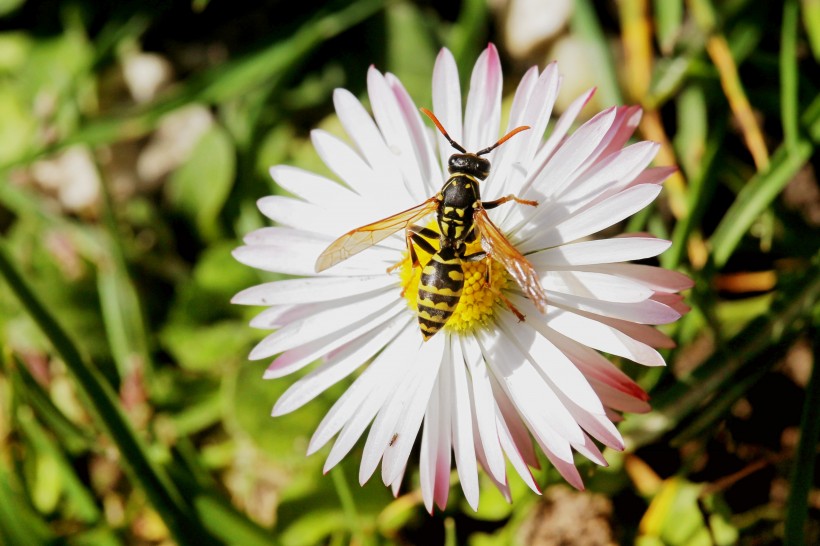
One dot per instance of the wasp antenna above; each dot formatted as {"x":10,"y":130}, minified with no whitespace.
{"x":503,"y":139}
{"x":435,"y":120}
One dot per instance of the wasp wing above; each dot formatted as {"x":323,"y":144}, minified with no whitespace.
{"x":500,"y":249}
{"x":358,"y":239}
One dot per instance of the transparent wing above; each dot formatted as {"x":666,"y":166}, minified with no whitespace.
{"x":358,"y":239}
{"x":500,"y":249}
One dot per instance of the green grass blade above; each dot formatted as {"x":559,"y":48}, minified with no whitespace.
{"x":227,"y":524}
{"x":586,"y":25}
{"x":161,"y":492}
{"x":803,"y":473}
{"x":72,"y":437}
{"x":68,"y":483}
{"x":467,"y":36}
{"x":753,"y":199}
{"x":788,"y":74}
{"x":811,"y":21}
{"x":122,"y":311}
{"x":668,"y":19}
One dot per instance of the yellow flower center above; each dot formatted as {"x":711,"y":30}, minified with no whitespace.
{"x":478,"y":296}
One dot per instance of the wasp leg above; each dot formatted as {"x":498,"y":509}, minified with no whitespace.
{"x":500,"y":201}
{"x":488,"y":278}
{"x":476,"y":257}
{"x":416,"y":235}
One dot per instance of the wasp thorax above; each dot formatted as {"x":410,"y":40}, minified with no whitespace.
{"x":469,"y":164}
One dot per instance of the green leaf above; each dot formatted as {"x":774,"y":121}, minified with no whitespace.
{"x":676,"y":516}
{"x":755,"y":196}
{"x":208,"y":347}
{"x":200,"y":187}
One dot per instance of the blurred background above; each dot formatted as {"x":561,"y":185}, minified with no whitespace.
{"x":135,"y":138}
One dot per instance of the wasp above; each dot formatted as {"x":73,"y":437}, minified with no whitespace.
{"x":462,"y":217}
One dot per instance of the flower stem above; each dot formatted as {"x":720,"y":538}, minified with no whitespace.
{"x":348,"y":504}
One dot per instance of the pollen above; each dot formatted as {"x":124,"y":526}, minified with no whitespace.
{"x":479,"y":296}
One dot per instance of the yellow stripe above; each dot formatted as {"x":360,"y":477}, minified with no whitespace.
{"x":440,"y":291}
{"x":441,"y":306}
{"x":432,"y":318}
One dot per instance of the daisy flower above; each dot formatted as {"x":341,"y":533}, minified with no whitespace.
{"x":488,"y":383}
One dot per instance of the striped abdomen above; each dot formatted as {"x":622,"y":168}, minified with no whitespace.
{"x":439,"y":291}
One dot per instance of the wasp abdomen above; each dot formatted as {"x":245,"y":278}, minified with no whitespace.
{"x":439,"y":291}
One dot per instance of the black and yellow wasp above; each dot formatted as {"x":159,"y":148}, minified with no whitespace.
{"x":461,"y":216}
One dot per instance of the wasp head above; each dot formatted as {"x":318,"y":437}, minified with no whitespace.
{"x":469,"y":164}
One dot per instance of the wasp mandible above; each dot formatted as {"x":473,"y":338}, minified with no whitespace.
{"x":461,"y":216}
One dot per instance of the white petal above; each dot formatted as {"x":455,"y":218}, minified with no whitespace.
{"x":610,"y":175}
{"x":374,"y":385}
{"x":430,"y":358}
{"x":599,"y":426}
{"x":347,"y":311}
{"x":644,"y":312}
{"x":421,"y":145}
{"x":656,"y":278}
{"x":311,"y":290}
{"x":376,"y":192}
{"x":557,"y":135}
{"x":463,"y":428}
{"x":428,"y":457}
{"x":296,"y":359}
{"x":387,"y":421}
{"x":519,"y":433}
{"x":295,"y":213}
{"x":532,"y":106}
{"x":393,"y":127}
{"x":295,"y":252}
{"x":483,"y":112}
{"x":512,"y":449}
{"x":598,"y":217}
{"x":596,"y":368}
{"x":444,"y":428}
{"x":619,"y":400}
{"x":598,"y":252}
{"x":572,"y":156}
{"x":535,"y":401}
{"x":595,"y":286}
{"x":365,"y":134}
{"x":654,"y":175}
{"x":447,"y":102}
{"x":341,"y":364}
{"x":553,"y":364}
{"x":603,"y":338}
{"x":314,"y":188}
{"x":484,"y":408}
{"x":276,"y":317}
{"x":564,"y":466}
